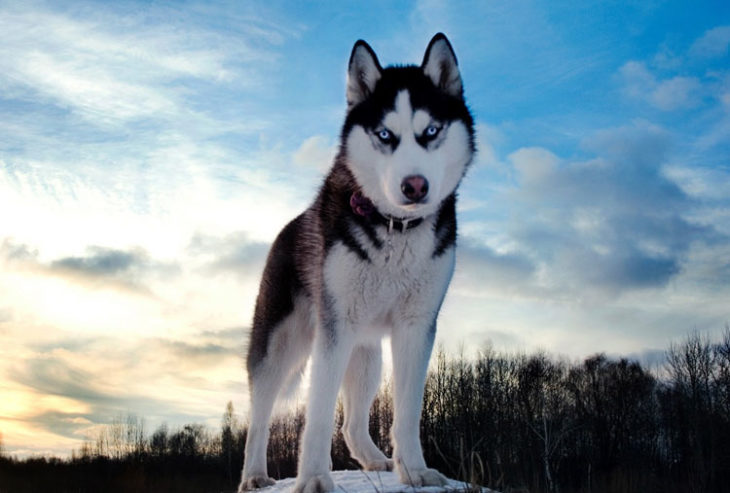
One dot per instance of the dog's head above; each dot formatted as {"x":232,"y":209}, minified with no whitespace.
{"x":408,"y":137}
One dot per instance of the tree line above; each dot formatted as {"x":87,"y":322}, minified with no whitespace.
{"x":512,"y":422}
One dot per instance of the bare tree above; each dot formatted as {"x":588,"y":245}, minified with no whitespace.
{"x":159,"y":442}
{"x":190,"y":441}
{"x":228,"y":431}
{"x":543,"y":408}
{"x":722,"y":374}
{"x":692,"y":366}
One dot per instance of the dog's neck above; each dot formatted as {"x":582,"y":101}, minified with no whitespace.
{"x":363,"y":206}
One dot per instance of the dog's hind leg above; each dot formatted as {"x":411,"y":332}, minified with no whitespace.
{"x":287,"y":351}
{"x":264,"y":388}
{"x":359,"y":388}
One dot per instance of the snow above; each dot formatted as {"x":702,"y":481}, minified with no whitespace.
{"x":374,"y":482}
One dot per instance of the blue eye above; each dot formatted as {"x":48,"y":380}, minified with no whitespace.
{"x":432,"y":131}
{"x":385,"y":136}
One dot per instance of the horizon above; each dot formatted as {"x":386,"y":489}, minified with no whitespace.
{"x":151,"y":152}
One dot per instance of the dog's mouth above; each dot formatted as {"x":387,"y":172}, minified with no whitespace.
{"x":364,"y":206}
{"x":406,"y":207}
{"x":414,"y":206}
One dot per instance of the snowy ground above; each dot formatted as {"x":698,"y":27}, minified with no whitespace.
{"x":372,"y":482}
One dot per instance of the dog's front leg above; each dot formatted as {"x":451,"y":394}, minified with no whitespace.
{"x":411,"y":347}
{"x":332,"y":348}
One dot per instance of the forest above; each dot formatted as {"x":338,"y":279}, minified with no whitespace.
{"x":516,"y":423}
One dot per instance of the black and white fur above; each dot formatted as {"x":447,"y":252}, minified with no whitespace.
{"x":372,"y":257}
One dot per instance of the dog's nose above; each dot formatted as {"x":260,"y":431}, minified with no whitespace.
{"x":414,"y":187}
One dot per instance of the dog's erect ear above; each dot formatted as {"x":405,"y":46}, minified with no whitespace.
{"x":439,"y":64}
{"x":362,"y":74}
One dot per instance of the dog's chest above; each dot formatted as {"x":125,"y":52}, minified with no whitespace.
{"x":401,"y":277}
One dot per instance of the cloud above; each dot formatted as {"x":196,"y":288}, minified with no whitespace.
{"x":482,"y":270}
{"x":67,"y":386}
{"x":637,"y":79}
{"x":111,"y":67}
{"x":317,"y":152}
{"x":106,"y":267}
{"x":664,"y":83}
{"x":488,"y":139}
{"x":130,"y":269}
{"x":671,"y":94}
{"x":114,"y":290}
{"x":629,"y":268}
{"x":625,"y":172}
{"x":641,"y":144}
{"x":52,"y":375}
{"x":99,"y":267}
{"x":535,"y":165}
{"x":712,"y":44}
{"x":11,"y":251}
{"x":6,"y":315}
{"x":74,"y":426}
{"x":234,"y":254}
{"x":131,"y":114}
{"x":92,"y":93}
{"x":676,"y":93}
{"x":702,"y":183}
{"x":101,"y":261}
{"x":200,"y":355}
{"x":611,"y":224}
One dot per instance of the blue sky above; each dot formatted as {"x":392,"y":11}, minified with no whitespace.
{"x":150,"y":152}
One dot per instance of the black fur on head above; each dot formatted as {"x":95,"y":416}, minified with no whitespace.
{"x":435,"y":86}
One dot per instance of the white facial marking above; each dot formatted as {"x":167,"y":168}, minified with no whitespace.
{"x":400,"y":119}
{"x":421,"y":120}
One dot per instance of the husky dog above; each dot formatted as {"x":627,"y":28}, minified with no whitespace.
{"x":372,"y":257}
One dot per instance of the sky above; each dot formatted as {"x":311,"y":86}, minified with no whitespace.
{"x":151,"y":151}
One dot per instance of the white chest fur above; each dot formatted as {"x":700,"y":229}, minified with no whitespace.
{"x":402,"y":280}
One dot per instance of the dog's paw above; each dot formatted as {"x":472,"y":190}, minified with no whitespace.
{"x":315,"y":484}
{"x":379,"y":465}
{"x":422,"y":477}
{"x":254,"y":483}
